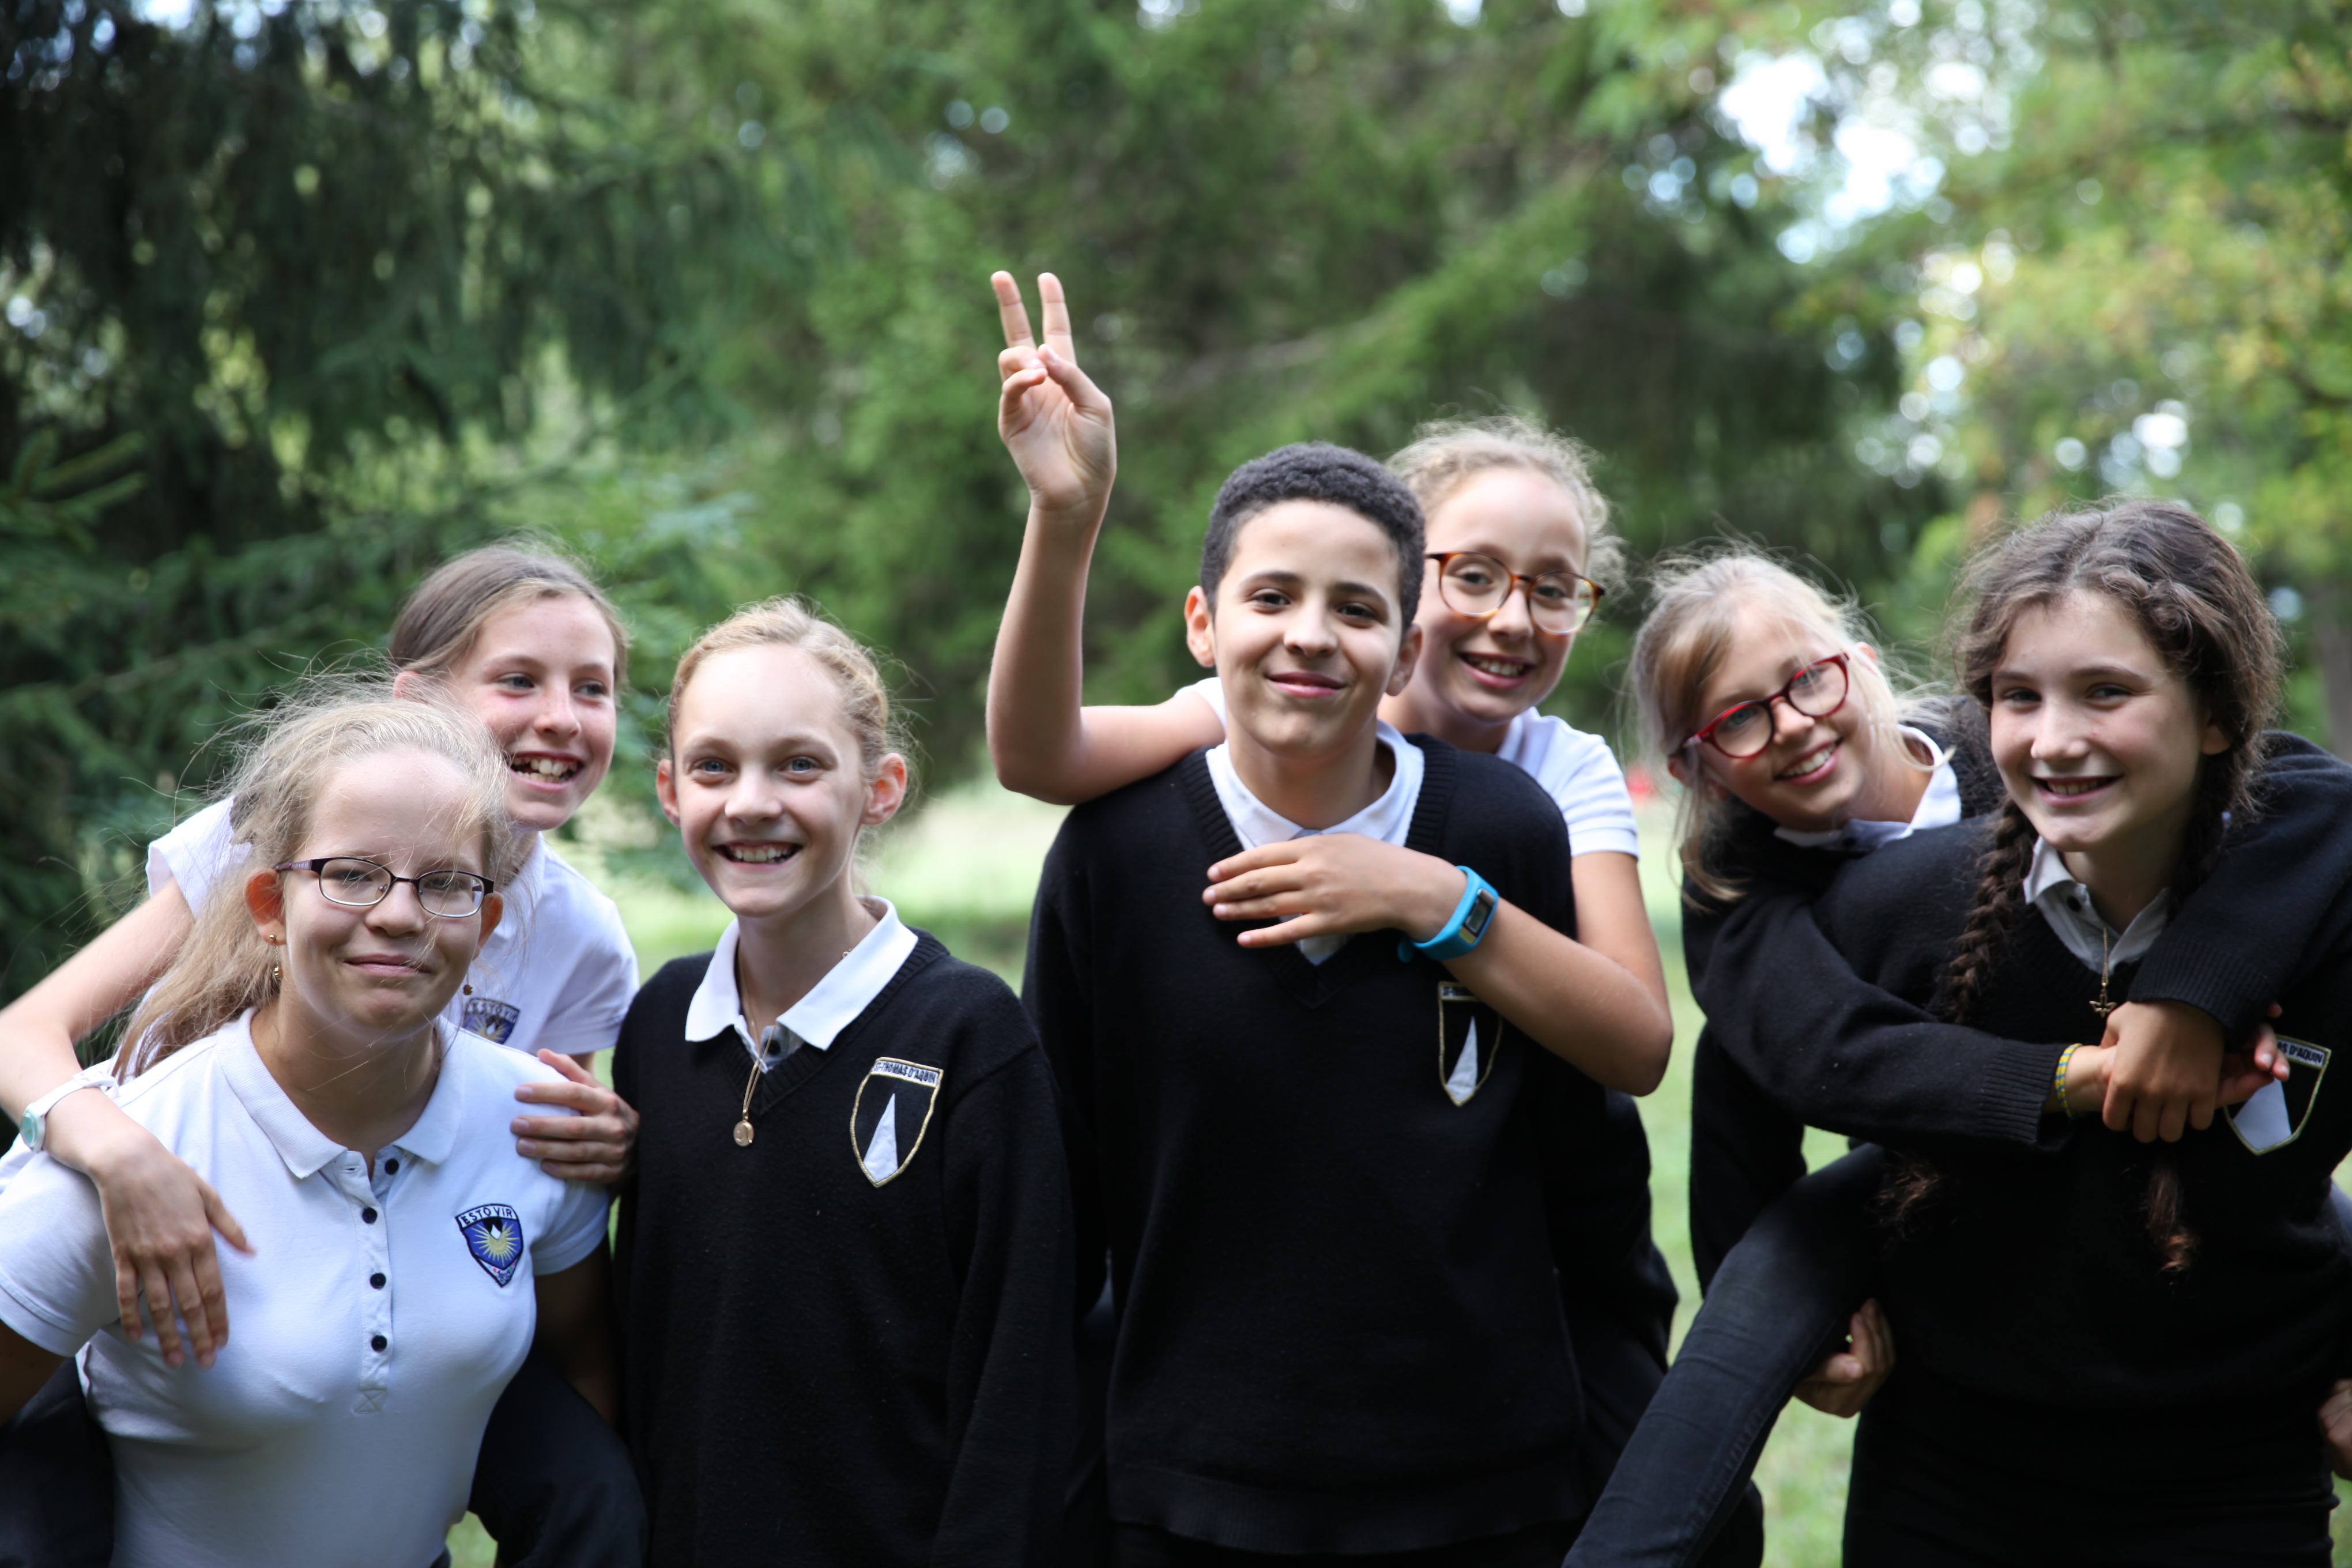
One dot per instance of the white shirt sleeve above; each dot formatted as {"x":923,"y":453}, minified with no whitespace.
{"x":1210,"y":691}
{"x":56,"y":1271}
{"x":582,"y":930}
{"x":194,"y":855}
{"x":1580,"y":773}
{"x":575,"y":1228}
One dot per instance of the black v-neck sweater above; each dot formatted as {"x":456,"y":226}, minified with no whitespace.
{"x":819,"y":1369}
{"x":1794,"y":1036}
{"x":2030,"y":1274}
{"x":1339,"y":1325}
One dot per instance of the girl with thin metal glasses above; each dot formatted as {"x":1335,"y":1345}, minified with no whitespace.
{"x":293,"y":1056}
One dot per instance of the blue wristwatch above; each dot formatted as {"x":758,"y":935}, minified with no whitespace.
{"x":1465,"y":930}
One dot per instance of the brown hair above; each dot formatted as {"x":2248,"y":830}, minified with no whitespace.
{"x":795,"y":622}
{"x":2190,"y":595}
{"x":1695,"y":601}
{"x":1447,"y":454}
{"x":437,"y":626}
{"x":290,"y":753}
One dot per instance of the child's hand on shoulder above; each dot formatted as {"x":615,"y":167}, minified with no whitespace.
{"x":1333,"y":884}
{"x":1055,"y":421}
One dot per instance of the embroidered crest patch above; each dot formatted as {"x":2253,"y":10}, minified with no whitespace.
{"x":494,"y":1235}
{"x":1469,"y":1035}
{"x":2273,"y":1118}
{"x":892,"y":1113}
{"x":493,"y":1020}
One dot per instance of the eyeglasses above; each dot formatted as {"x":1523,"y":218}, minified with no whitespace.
{"x":1479,"y":585}
{"x":358,"y":884}
{"x":1745,"y":729}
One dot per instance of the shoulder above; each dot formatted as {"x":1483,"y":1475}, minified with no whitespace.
{"x":941,"y":993}
{"x":564,"y":900}
{"x":669,"y":992}
{"x":487,"y":1064}
{"x":1131,"y":822}
{"x":1480,"y":811}
{"x":1925,"y":882}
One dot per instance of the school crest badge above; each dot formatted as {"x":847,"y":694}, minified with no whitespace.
{"x":1469,"y":1035}
{"x":891,"y":1115}
{"x":493,"y":1020}
{"x":494,"y":1235}
{"x":2273,"y":1118}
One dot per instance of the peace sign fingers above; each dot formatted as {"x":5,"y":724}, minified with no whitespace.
{"x":1011,"y":311}
{"x":1057,"y":316}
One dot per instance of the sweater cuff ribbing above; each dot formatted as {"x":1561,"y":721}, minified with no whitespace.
{"x":2016,"y":1087}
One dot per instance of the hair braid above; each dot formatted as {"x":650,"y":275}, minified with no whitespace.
{"x":2000,"y":898}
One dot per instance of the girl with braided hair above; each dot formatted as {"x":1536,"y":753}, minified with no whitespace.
{"x":1829,"y":772}
{"x":2126,"y":662}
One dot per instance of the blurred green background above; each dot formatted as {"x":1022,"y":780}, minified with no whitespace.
{"x":299,"y":297}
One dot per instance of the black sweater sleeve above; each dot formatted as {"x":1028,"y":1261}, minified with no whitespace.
{"x":2232,"y":947}
{"x":1009,"y":1390}
{"x":1840,"y":1053}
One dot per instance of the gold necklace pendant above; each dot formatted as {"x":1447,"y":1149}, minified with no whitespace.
{"x":743,"y":1133}
{"x":2106,"y":961}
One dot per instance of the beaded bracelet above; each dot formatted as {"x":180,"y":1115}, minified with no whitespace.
{"x":2058,"y":1079}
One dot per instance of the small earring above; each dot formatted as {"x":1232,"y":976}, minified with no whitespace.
{"x":277,"y":974}
{"x":469,"y":988}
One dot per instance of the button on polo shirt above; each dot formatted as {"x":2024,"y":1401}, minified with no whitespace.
{"x":338,"y":1427}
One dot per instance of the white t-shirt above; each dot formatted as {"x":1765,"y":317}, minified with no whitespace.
{"x":376,"y":1324}
{"x":1388,"y":819}
{"x":557,"y":973}
{"x":1577,"y":770}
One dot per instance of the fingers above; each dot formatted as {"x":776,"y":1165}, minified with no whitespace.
{"x":570,"y":1067}
{"x":198,"y":1304}
{"x":157,"y":1290}
{"x":1057,"y":316}
{"x":2147,"y":1120}
{"x":589,"y":1097}
{"x":126,"y":1293}
{"x":1295,"y":928}
{"x":2116,"y":1110}
{"x":1011,"y":311}
{"x":217,"y":1216}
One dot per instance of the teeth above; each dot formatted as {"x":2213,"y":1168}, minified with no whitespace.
{"x":544,"y":768}
{"x":2071,"y":786}
{"x":756,"y":855}
{"x":1807,"y":764}
{"x":1506,"y":667}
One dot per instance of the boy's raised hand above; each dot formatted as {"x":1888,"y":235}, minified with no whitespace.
{"x":1056,"y":422}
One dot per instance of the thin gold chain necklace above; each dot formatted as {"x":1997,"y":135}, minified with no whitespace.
{"x":2102,"y":1007}
{"x":744,"y":1132}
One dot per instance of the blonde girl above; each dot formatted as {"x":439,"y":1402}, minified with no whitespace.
{"x":844,"y":1253}
{"x":292,"y":1055}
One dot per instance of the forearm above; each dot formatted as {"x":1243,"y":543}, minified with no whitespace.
{"x":37,"y":1030}
{"x":577,"y":1333}
{"x":1035,"y":731}
{"x":1582,"y":1007}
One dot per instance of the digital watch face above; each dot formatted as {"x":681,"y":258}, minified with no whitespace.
{"x":1482,"y":909}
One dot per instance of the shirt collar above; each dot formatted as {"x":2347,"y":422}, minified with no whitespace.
{"x":305,"y":1149}
{"x":2066,"y":904}
{"x":834,"y":1003}
{"x":1389,"y":818}
{"x":1939,"y":806}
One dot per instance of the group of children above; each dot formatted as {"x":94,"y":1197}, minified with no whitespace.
{"x":1197,"y":1253}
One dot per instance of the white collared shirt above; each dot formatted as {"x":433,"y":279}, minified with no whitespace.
{"x":1939,"y":806}
{"x":1388,"y":819}
{"x":2066,"y":904}
{"x":1577,"y":770}
{"x":376,"y":1323}
{"x":557,"y":972}
{"x":831,"y":1004}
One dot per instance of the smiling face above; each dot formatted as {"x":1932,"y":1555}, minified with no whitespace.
{"x":1306,"y":637}
{"x":539,"y":674}
{"x":2098,"y":741}
{"x":766,"y":782}
{"x":1487,"y":672}
{"x":1809,"y":778}
{"x":386,"y":971}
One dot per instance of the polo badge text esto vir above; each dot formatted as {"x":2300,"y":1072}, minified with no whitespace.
{"x":494,"y":1235}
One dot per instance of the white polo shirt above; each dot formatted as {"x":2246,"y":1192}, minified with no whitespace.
{"x":1577,"y":770}
{"x":559,"y":972}
{"x":831,"y":1004}
{"x":376,"y":1323}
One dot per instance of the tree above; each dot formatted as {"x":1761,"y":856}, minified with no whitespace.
{"x":297,"y":279}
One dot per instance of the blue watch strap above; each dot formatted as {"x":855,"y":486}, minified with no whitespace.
{"x":1465,"y":930}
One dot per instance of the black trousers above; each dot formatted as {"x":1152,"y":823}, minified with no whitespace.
{"x":552,"y":1483}
{"x":1537,"y":1546}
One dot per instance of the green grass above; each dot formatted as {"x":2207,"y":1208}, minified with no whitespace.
{"x":965,"y":868}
